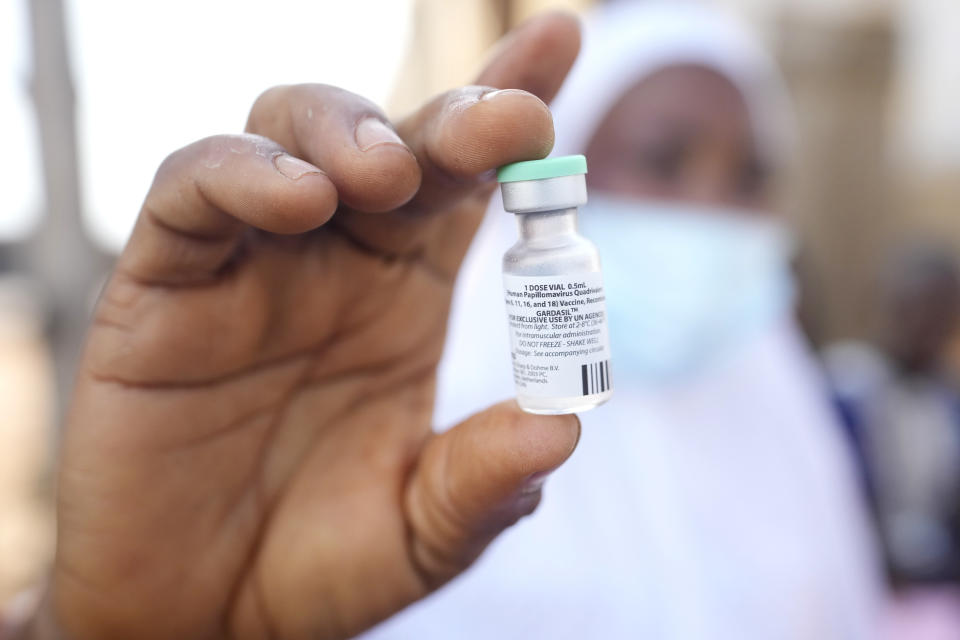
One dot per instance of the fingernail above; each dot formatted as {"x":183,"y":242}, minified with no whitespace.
{"x":535,"y":482}
{"x":491,"y":95}
{"x":526,"y":500}
{"x":524,"y":505}
{"x":293,"y":168}
{"x":372,"y":132}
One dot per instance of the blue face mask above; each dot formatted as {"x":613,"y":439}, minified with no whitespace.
{"x":685,"y":283}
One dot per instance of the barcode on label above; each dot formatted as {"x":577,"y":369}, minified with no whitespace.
{"x":595,"y":377}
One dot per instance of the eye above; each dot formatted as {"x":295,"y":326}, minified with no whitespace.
{"x":754,"y":178}
{"x":661,"y":161}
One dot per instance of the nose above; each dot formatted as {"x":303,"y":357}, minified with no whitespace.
{"x":714,"y":179}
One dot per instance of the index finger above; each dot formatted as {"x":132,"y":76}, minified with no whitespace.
{"x":445,"y":153}
{"x":462,"y":136}
{"x":459,"y":151}
{"x":205,"y":195}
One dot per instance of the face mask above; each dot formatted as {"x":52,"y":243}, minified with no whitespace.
{"x":685,"y":283}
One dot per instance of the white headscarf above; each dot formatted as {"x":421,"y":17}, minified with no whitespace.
{"x":628,"y":40}
{"x":623,"y":42}
{"x":721,"y":509}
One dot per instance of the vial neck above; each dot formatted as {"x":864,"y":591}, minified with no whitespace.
{"x":548,"y":227}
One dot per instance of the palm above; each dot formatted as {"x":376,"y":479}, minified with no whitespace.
{"x":261,"y":432}
{"x":247,"y":453}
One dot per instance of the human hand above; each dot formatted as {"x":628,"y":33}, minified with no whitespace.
{"x":249,"y":451}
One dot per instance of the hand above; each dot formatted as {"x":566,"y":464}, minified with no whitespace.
{"x":249,"y":451}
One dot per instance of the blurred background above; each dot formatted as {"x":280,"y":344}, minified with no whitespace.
{"x":93,"y":96}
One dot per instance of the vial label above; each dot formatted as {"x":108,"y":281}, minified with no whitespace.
{"x":558,"y":334}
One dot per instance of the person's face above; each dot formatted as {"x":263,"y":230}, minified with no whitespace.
{"x":924,"y":318}
{"x":682,"y":133}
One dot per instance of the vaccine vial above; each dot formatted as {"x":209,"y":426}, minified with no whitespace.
{"x":553,"y":289}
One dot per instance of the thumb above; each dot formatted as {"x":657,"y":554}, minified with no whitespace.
{"x":535,"y":56}
{"x":477,"y":479}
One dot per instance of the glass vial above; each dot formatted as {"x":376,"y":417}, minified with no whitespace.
{"x":553,"y":289}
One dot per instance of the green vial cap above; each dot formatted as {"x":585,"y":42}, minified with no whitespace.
{"x":543,"y":169}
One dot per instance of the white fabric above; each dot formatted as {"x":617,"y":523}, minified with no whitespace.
{"x":724,"y":509}
{"x":627,"y":41}
{"x":908,"y":430}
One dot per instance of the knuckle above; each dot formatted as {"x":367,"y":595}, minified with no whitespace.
{"x":212,"y":152}
{"x":438,"y":534}
{"x":184,"y":158}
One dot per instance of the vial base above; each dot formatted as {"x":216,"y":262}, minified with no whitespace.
{"x":561,"y":406}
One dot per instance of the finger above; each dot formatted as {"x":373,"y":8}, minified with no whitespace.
{"x":477,"y":479}
{"x":535,"y":56}
{"x":203,"y":196}
{"x":469,"y":133}
{"x":345,"y":135}
{"x":462,"y":136}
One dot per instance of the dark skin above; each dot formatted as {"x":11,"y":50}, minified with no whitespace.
{"x":249,"y":451}
{"x":683,"y":133}
{"x":923,"y":315}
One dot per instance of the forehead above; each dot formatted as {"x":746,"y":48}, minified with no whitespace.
{"x":691,"y":95}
